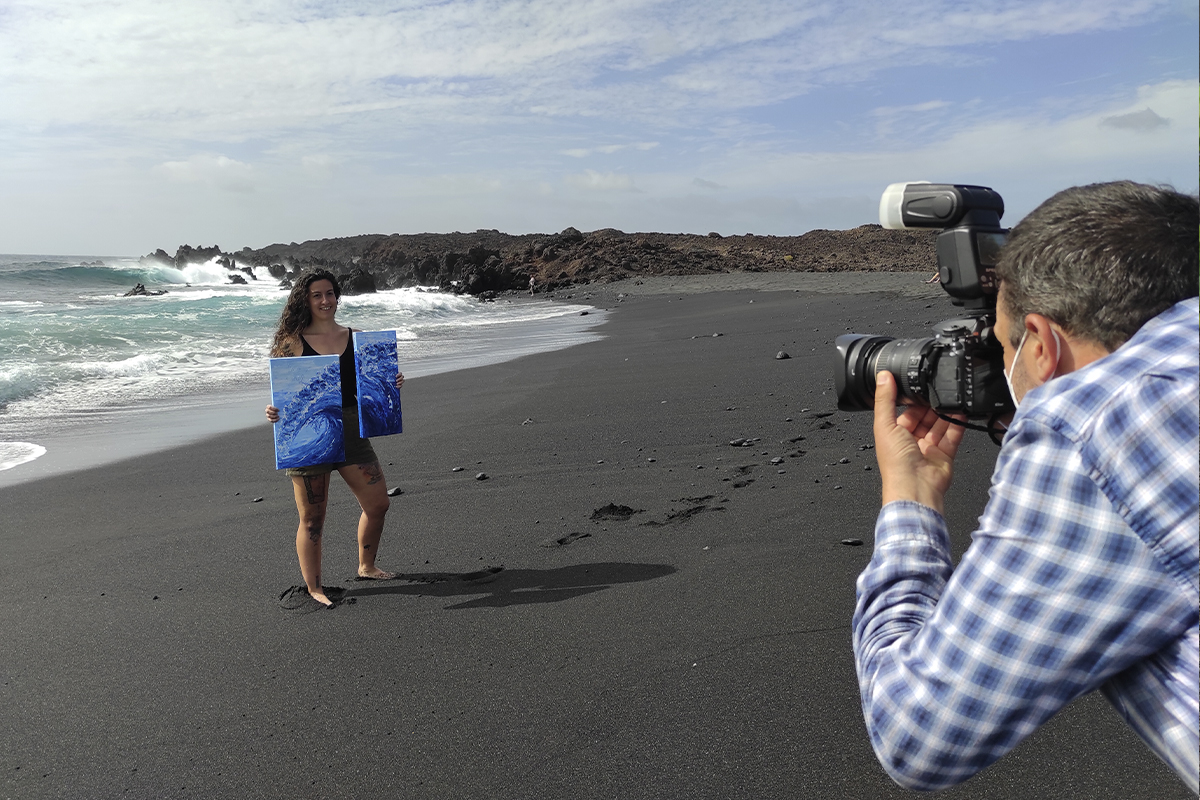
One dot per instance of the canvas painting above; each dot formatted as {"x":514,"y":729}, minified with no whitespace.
{"x":308,"y":393}
{"x":376,"y":366}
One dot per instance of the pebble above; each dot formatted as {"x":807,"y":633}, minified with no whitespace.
{"x":777,"y":460}
{"x":736,"y":442}
{"x":395,"y":490}
{"x":844,"y":461}
{"x":867,"y":468}
{"x":257,"y":500}
{"x":457,"y":469}
{"x":715,"y":335}
{"x":852,"y":542}
{"x":483,"y":476}
{"x":652,"y":460}
{"x":781,"y":355}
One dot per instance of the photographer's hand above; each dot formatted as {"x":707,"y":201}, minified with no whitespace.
{"x":915,"y":451}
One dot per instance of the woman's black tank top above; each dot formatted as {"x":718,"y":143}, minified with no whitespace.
{"x":346,"y":360}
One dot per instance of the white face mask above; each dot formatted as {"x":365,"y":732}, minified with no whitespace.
{"x":1008,"y":373}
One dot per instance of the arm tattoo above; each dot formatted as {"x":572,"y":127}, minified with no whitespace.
{"x":373,"y":471}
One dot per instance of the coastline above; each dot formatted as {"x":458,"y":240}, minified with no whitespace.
{"x":694,"y":646}
{"x":96,"y":438}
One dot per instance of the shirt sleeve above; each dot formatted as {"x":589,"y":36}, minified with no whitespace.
{"x":1054,"y":596}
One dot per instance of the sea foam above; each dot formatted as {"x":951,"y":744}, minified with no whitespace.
{"x":13,"y":454}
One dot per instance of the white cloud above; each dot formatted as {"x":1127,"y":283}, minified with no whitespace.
{"x":231,"y":69}
{"x":607,"y":149}
{"x":1025,"y":157}
{"x":416,"y":115}
{"x":1144,"y":120}
{"x":593,"y":181}
{"x":213,"y":170}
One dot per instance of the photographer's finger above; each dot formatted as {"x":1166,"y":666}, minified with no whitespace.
{"x":885,"y":403}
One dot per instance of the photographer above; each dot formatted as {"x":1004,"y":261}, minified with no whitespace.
{"x":1083,"y":573}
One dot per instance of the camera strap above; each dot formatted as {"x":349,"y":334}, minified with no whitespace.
{"x":995,"y":433}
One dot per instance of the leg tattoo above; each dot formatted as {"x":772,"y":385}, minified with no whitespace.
{"x":373,"y":471}
{"x":315,"y":486}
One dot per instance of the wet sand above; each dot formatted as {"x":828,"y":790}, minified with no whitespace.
{"x":693,"y":644}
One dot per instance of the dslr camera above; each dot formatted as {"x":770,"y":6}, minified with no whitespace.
{"x":960,"y":369}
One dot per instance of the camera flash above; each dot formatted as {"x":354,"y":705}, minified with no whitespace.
{"x":890,"y":205}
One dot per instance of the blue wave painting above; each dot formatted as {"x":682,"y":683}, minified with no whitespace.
{"x":308,"y":393}
{"x":377,"y":365}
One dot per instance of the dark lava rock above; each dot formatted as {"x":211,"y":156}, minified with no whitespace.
{"x":488,"y":260}
{"x":562,"y":541}
{"x":613,"y":511}
{"x":237,"y":279}
{"x":358,"y":282}
{"x":140,"y":291}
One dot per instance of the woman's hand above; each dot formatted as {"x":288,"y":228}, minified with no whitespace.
{"x":915,"y":452}
{"x":399,"y":379}
{"x":273,"y":414}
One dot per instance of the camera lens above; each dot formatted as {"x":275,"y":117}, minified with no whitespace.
{"x":860,"y":358}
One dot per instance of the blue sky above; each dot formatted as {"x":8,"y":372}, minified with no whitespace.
{"x":127,"y":125}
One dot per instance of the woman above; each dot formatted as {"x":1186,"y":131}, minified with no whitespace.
{"x":307,"y":328}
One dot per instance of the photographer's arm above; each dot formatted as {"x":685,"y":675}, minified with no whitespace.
{"x":957,"y":665}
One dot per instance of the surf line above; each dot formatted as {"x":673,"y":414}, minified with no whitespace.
{"x":14,"y":454}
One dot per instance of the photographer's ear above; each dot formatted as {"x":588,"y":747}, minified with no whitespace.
{"x":1044,"y":346}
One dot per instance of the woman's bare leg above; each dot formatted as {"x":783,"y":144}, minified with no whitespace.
{"x":367,"y":483}
{"x":312,"y":494}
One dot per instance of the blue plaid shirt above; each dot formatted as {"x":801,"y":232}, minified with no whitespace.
{"x":1083,"y":574}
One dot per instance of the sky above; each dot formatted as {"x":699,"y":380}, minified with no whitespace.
{"x":128,"y":125}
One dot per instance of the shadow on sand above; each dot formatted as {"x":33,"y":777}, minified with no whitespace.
{"x":502,"y":587}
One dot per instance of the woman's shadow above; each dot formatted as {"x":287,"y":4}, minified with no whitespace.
{"x":501,"y":587}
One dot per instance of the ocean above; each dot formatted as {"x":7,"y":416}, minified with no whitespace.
{"x":88,"y":376}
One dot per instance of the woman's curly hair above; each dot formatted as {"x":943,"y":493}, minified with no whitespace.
{"x":296,"y":315}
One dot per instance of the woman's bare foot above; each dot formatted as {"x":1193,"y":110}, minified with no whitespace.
{"x":320,"y":597}
{"x":374,"y":574}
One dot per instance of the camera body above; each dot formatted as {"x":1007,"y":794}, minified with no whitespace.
{"x":960,"y":369}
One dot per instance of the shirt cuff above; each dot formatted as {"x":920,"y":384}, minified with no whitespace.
{"x":910,"y":521}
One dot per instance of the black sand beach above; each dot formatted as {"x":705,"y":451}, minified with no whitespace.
{"x":699,"y":648}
